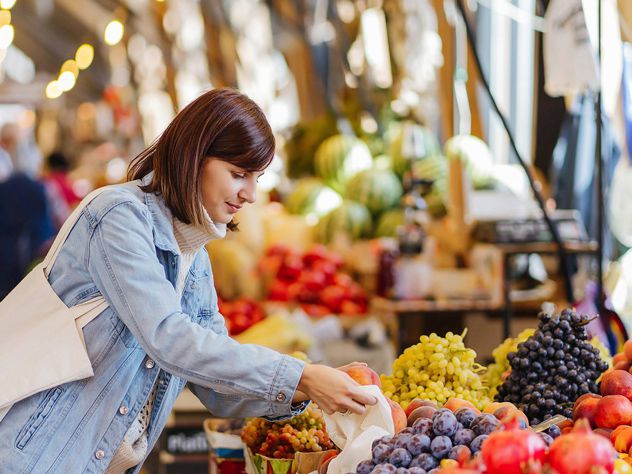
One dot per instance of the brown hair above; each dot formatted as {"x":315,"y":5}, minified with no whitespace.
{"x":221,"y":123}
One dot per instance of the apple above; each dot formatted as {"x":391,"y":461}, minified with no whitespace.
{"x":612,"y":411}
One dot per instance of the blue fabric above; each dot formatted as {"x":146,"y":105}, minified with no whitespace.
{"x":25,"y":226}
{"x":573,"y":175}
{"x":626,"y":92}
{"x":123,"y":248}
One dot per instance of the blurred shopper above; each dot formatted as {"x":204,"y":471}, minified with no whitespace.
{"x":141,"y":246}
{"x":25,"y":223}
{"x":61,"y":196}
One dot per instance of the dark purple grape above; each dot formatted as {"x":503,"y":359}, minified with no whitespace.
{"x":400,"y":441}
{"x":444,"y":424}
{"x":384,"y":469}
{"x":381,"y":452}
{"x":401,"y":470}
{"x":416,"y":470}
{"x":457,"y":451}
{"x":440,"y":446}
{"x":465,"y":416}
{"x":407,"y":430}
{"x":423,"y":426}
{"x":365,"y":467}
{"x":434,"y":471}
{"x":425,"y":461}
{"x":400,"y":457}
{"x":475,"y":445}
{"x":384,"y":439}
{"x":546,"y":438}
{"x":418,"y":444}
{"x":464,"y":437}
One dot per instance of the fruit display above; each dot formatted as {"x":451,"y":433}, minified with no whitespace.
{"x":241,"y":314}
{"x":436,"y":369}
{"x":408,"y":143}
{"x":312,"y":196}
{"x":552,"y":368}
{"x":379,"y":190}
{"x":497,"y":370}
{"x":313,"y":280}
{"x":234,"y":269}
{"x":388,"y":223}
{"x":339,"y":158}
{"x":282,"y":439}
{"x":278,"y":332}
{"x":351,"y":219}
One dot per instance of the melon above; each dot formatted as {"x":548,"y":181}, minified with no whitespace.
{"x":389,"y":222}
{"x":351,"y":218}
{"x":476,"y":156}
{"x":339,"y":158}
{"x":312,"y":196}
{"x":377,"y":189}
{"x":410,"y":142}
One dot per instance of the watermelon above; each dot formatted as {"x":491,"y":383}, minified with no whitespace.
{"x":410,"y":142}
{"x":350,"y":218}
{"x":389,"y":222}
{"x":310,"y":195}
{"x":377,"y":189}
{"x":339,"y":158}
{"x":475,"y":153}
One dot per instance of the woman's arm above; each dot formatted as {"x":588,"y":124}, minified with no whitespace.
{"x":122,"y":261}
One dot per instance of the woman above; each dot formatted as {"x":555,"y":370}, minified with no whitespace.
{"x":141,"y":246}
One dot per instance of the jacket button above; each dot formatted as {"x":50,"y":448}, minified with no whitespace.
{"x":123,"y":410}
{"x":99,"y":454}
{"x":149,"y":363}
{"x":280,"y":397}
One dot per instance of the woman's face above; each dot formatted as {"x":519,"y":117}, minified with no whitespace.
{"x":225,"y":188}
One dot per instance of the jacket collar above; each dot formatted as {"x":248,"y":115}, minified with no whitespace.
{"x":164,"y":237}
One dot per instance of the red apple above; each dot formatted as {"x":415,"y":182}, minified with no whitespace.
{"x":617,"y":382}
{"x":586,"y":409}
{"x":612,"y":411}
{"x":332,"y":297}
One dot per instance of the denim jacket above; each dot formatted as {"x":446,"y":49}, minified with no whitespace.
{"x":123,"y":247}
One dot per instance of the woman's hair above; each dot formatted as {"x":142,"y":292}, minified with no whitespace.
{"x":221,"y":123}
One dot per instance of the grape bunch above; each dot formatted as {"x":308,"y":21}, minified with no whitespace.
{"x":419,"y":449}
{"x":436,"y":369}
{"x":496,"y":370}
{"x":552,"y":368}
{"x":281,"y":439}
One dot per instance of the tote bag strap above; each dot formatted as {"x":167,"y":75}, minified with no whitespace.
{"x":55,"y":248}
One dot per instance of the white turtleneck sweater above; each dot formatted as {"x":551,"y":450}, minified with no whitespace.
{"x":190,"y":240}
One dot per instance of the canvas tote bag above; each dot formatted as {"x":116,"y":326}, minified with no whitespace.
{"x":41,"y":339}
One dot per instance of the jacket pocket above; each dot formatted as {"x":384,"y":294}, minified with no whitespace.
{"x":40,"y":415}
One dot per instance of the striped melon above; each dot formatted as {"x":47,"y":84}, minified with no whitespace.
{"x":350,"y":218}
{"x":339,"y":158}
{"x":477,"y":158}
{"x":434,"y":168}
{"x":410,"y":142}
{"x":310,"y":195}
{"x":389,"y":222}
{"x":378,"y":190}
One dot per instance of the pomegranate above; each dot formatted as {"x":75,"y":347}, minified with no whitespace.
{"x":511,"y":450}
{"x":581,"y":451}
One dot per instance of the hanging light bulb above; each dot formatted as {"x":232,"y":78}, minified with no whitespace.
{"x":7,"y":4}
{"x":84,"y":56}
{"x":70,"y":65}
{"x":6,"y":36}
{"x":5,"y":17}
{"x":53,"y":90}
{"x":66,"y":81}
{"x":113,"y":32}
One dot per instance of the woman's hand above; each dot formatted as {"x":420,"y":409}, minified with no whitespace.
{"x":333,"y":390}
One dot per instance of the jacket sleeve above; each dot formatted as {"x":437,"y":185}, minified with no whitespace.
{"x":232,"y":406}
{"x":122,"y":261}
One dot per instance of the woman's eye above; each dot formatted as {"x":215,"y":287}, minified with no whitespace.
{"x":239,"y":175}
